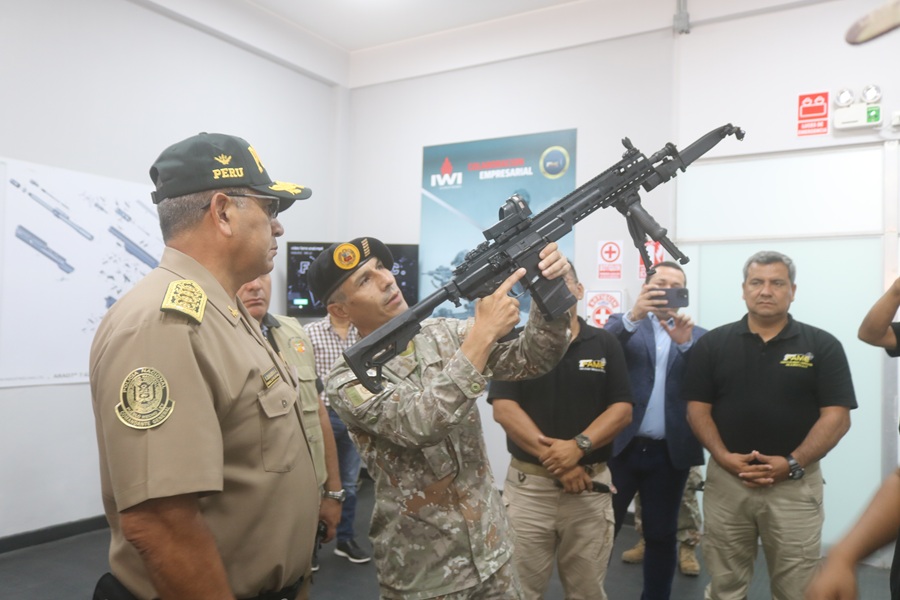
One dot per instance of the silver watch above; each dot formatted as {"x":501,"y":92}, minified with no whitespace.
{"x":339,"y":495}
{"x":796,"y":472}
{"x":584,"y":442}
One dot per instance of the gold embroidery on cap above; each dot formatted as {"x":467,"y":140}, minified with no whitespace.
{"x":255,"y":156}
{"x":229,"y":173}
{"x":223,"y":159}
{"x":365,"y":245}
{"x":346,"y":256}
{"x":145,"y":399}
{"x":270,"y":377}
{"x":284,"y":186}
{"x":187,"y":297}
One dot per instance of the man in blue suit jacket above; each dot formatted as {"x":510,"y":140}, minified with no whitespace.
{"x":654,"y":454}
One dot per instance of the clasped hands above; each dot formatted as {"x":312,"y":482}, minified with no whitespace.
{"x":756,"y":469}
{"x":561,"y":459}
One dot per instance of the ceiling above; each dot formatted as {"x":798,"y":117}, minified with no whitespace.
{"x":353,"y":25}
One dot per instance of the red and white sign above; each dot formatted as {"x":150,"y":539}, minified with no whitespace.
{"x":609,"y":259}
{"x":600,"y":305}
{"x":812,"y":114}
{"x":657,"y":255}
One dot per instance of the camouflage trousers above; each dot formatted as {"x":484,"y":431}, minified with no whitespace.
{"x":689,"y":519}
{"x":502,"y":585}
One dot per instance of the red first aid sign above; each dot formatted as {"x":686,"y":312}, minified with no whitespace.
{"x":812,"y":114}
{"x":609,"y":259}
{"x":600,"y":305}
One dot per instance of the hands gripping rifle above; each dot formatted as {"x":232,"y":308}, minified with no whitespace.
{"x":518,"y":237}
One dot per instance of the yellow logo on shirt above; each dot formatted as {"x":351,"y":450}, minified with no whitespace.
{"x":592,"y":364}
{"x":803,"y":361}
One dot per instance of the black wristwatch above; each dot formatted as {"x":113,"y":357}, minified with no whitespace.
{"x":339,"y":495}
{"x":583,"y":442}
{"x":797,"y":472}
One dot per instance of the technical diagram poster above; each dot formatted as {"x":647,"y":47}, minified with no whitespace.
{"x":72,"y":244}
{"x":465,"y":184}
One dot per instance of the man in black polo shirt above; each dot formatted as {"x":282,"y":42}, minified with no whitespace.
{"x":559,"y":431}
{"x":768,"y":396}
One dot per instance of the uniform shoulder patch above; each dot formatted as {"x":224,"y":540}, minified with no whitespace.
{"x":145,"y":399}
{"x":187,"y":297}
{"x":357,"y":394}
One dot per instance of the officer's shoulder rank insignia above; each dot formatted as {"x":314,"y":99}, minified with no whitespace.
{"x":145,"y":399}
{"x":185,"y":296}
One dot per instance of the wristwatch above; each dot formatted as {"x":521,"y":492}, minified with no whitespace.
{"x":339,"y":495}
{"x":797,"y":472}
{"x":583,"y":442}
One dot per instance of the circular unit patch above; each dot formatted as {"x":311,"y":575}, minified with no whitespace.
{"x":145,"y":399}
{"x":346,"y":256}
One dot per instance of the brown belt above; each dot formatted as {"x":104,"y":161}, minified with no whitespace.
{"x":533,"y":469}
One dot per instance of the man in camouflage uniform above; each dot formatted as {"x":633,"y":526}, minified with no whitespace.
{"x":438,"y":529}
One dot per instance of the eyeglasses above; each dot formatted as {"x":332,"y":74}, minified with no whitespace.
{"x":271,"y":209}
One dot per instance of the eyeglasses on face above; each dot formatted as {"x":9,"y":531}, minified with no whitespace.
{"x":271,"y":208}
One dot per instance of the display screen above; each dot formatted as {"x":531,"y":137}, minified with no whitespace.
{"x":300,"y":301}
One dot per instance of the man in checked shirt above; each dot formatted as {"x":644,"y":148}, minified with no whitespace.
{"x":330,"y":337}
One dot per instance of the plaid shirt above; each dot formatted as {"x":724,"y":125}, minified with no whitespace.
{"x":328,"y":346}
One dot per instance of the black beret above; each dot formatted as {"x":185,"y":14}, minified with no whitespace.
{"x":337,"y":262}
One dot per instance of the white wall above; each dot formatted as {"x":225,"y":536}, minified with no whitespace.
{"x":655,"y":87}
{"x":102,"y":86}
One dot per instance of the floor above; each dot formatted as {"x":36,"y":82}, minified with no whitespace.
{"x":68,"y":569}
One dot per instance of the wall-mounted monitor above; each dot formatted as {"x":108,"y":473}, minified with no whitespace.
{"x":300,"y":301}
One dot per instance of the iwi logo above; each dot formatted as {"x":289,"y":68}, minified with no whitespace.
{"x":803,"y":361}
{"x":447,"y":178}
{"x":592,"y":364}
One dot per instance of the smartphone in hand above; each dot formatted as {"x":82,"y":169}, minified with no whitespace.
{"x":675,"y":297}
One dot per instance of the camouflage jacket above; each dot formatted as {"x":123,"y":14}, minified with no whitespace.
{"x":438,"y":525}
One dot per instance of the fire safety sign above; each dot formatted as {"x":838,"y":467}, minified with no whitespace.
{"x":812,"y":114}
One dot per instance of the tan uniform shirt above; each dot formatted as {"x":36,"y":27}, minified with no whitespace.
{"x":293,"y":343}
{"x":214,"y":413}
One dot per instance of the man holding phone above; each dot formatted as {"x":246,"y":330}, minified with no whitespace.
{"x":654,"y":454}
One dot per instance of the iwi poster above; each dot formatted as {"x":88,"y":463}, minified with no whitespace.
{"x":464,"y":185}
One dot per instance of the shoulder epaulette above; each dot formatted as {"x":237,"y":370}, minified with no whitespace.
{"x":187,"y":297}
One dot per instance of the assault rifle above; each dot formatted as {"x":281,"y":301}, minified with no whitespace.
{"x":517,"y":239}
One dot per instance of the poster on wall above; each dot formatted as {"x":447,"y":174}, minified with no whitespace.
{"x":465,"y":184}
{"x":72,"y":244}
{"x":657,"y":255}
{"x":599,"y":305}
{"x":609,"y":259}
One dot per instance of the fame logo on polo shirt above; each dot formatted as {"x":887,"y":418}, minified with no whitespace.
{"x":592,"y":364}
{"x":803,"y":361}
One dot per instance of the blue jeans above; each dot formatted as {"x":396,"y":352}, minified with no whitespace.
{"x":349,"y":463}
{"x":644,"y":467}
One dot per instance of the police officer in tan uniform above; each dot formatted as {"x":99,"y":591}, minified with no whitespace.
{"x":206,"y":474}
